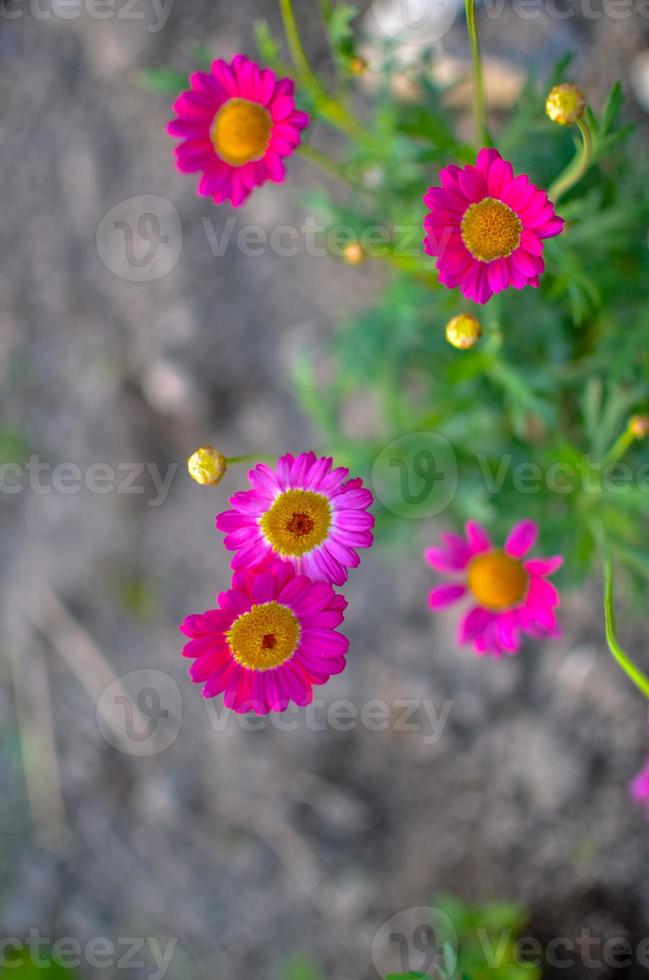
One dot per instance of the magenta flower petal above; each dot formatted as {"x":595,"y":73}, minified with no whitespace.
{"x":640,"y":788}
{"x":445,"y":595}
{"x":521,"y":539}
{"x":478,"y":538}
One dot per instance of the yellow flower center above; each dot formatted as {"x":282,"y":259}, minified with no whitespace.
{"x":497,"y":581}
{"x":265,"y":637}
{"x":241,"y":131}
{"x":297,"y":522}
{"x":491,"y":230}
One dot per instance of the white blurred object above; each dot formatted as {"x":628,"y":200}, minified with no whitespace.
{"x":639,"y":77}
{"x":411,"y":22}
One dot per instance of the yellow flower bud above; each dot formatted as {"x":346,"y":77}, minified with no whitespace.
{"x":639,"y":426}
{"x":357,"y":65}
{"x":207,"y":466}
{"x":353,"y":253}
{"x":565,"y":104}
{"x":463,"y":331}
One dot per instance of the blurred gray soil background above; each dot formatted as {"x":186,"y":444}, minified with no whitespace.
{"x":247,"y":846}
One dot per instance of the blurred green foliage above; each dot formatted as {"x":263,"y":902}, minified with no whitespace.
{"x":486,"y":943}
{"x":21,"y":966}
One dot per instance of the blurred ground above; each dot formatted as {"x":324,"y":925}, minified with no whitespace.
{"x":247,"y":846}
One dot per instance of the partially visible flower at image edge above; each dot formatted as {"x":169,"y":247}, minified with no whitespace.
{"x":238,"y":123}
{"x":510,"y":593}
{"x":640,"y":788}
{"x":272,"y":637}
{"x":304,"y":512}
{"x":486,"y":227}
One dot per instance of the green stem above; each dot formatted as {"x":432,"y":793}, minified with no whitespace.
{"x":250,"y":458}
{"x":332,"y":110}
{"x":479,"y":96}
{"x":619,"y":448}
{"x":577,"y":168}
{"x":326,"y":164}
{"x":298,"y":54}
{"x":634,"y":674}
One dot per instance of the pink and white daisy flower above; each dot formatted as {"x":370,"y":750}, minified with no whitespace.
{"x":486,"y":227}
{"x":640,"y":788}
{"x":303,"y":512}
{"x":237,"y":123}
{"x":510,"y":594}
{"x":271,"y":639}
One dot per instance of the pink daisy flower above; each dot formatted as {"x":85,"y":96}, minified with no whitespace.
{"x":271,"y":639}
{"x":237,"y":123}
{"x":303,"y":512}
{"x":487,"y":227}
{"x":509,"y":593}
{"x":640,"y":788}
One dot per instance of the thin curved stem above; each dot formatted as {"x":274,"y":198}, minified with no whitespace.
{"x":250,"y":458}
{"x":326,"y":164}
{"x":479,"y":95}
{"x":298,"y":54}
{"x":333,"y":111}
{"x":635,"y":675}
{"x":577,"y":168}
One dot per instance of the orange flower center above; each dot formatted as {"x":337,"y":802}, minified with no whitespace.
{"x":241,"y":131}
{"x":297,"y":522}
{"x":491,"y":230}
{"x":497,"y":581}
{"x":264,"y":637}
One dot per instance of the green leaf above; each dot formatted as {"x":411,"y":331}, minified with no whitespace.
{"x":267,"y":46}
{"x":163,"y":80}
{"x":301,"y":968}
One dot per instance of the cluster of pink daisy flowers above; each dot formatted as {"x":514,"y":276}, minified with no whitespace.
{"x":238,"y":123}
{"x":274,"y":633}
